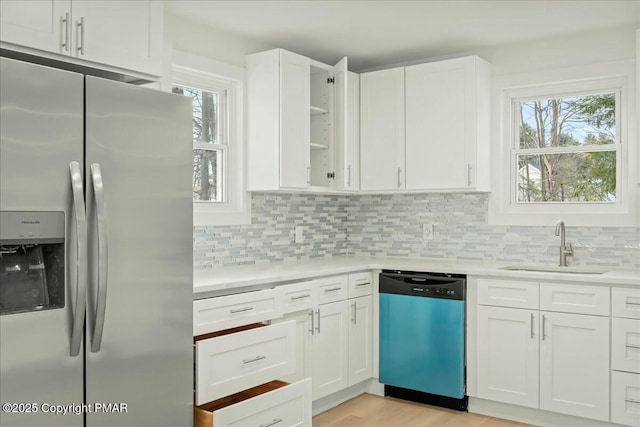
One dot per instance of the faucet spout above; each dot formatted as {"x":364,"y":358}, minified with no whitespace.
{"x":564,"y":249}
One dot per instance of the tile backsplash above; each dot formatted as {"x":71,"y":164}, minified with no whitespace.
{"x":391,"y":225}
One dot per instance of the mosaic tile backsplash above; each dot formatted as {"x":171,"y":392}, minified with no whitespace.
{"x":390,"y":225}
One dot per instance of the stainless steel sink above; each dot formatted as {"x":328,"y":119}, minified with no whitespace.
{"x":554,"y":269}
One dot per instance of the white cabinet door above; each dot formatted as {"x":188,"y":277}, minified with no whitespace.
{"x":347,"y":124}
{"x":360,"y":339}
{"x":41,"y":24}
{"x":382,"y":130}
{"x":508,"y":355}
{"x":330,"y":349}
{"x":125,"y":34}
{"x":303,"y":345}
{"x":574,"y":365}
{"x":444,"y":126}
{"x":295,"y":122}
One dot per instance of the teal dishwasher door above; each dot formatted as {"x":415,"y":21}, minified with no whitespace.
{"x":422,"y":344}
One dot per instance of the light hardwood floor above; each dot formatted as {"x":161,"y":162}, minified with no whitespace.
{"x":368,"y":410}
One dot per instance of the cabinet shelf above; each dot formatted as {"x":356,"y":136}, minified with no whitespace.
{"x":318,"y":110}
{"x":315,"y":146}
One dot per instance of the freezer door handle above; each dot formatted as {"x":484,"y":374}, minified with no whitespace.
{"x":101,"y":214}
{"x":77,"y":192}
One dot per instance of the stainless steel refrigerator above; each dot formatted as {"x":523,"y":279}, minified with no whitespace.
{"x":96,"y":251}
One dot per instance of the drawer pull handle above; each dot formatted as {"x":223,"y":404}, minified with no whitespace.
{"x":632,"y":400}
{"x":255,"y":359}
{"x":633,"y":303}
{"x":300,"y":297}
{"x":364,"y":284}
{"x":240,"y":310}
{"x":632,"y":346}
{"x":272,"y":423}
{"x":333,"y":289}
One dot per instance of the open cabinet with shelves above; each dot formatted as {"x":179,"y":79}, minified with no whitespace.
{"x":298,"y":132}
{"x":321,"y":131}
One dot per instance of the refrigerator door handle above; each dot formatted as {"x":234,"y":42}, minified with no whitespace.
{"x":101,"y":214}
{"x":81,"y":259}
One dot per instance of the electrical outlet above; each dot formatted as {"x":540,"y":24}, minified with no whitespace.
{"x":427,"y":231}
{"x":298,"y":234}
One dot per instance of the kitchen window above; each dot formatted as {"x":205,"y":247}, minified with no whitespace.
{"x":566,"y":149}
{"x":216,"y":91}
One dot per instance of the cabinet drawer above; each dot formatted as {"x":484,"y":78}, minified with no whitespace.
{"x":234,"y":362}
{"x":625,"y":302}
{"x":625,"y":398}
{"x":574,"y":298}
{"x":220,"y":313}
{"x":276,"y":404}
{"x":360,"y":284}
{"x":508,"y":293}
{"x":331,"y":289}
{"x":297,"y":296}
{"x":625,"y":344}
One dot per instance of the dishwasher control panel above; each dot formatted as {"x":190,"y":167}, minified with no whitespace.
{"x":430,"y":285}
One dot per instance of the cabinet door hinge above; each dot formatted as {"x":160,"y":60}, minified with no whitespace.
{"x":331,"y":80}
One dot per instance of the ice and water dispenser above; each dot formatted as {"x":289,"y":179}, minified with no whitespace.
{"x":32,"y":260}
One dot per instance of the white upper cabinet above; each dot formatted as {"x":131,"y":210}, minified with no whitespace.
{"x":299,"y":121}
{"x":37,"y":24}
{"x":347,"y":123}
{"x":382,"y":156}
{"x":118,"y":36}
{"x":447,"y":125}
{"x":426,"y":127}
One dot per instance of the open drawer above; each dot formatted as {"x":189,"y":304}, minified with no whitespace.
{"x":230,"y":311}
{"x":230,"y":361}
{"x":276,"y":404}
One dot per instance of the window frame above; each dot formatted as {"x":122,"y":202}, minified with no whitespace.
{"x":209,"y":75}
{"x":509,"y":91}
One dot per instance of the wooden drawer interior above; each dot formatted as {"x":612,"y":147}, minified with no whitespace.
{"x":228,"y":331}
{"x":203,"y":415}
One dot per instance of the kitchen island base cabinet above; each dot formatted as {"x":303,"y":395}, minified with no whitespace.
{"x":276,"y":403}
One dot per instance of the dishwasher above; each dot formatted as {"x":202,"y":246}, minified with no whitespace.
{"x":422,"y":337}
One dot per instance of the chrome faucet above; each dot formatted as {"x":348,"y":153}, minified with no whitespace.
{"x":564,"y":249}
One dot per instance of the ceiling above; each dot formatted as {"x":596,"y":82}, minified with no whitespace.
{"x":376,"y":33}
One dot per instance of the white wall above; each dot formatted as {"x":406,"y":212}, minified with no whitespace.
{"x":198,"y":39}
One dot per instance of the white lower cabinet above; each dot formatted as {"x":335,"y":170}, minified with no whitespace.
{"x":625,"y":356}
{"x":360,"y":339}
{"x":543,"y":359}
{"x":508,"y":355}
{"x":330,"y":346}
{"x":334,"y":340}
{"x":574,"y":365}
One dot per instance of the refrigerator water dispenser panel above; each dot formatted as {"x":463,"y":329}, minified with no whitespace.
{"x":32,"y":259}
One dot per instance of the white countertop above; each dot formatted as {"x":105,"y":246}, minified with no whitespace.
{"x":226,"y":280}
